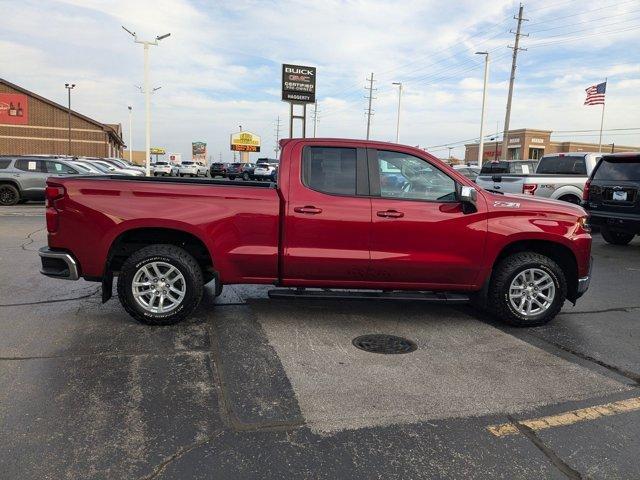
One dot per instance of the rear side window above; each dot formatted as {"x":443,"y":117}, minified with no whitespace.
{"x":4,"y":163}
{"x":58,"y":168}
{"x":29,"y":165}
{"x":618,"y":170}
{"x":495,"y":167}
{"x":565,"y":165}
{"x":330,"y":170}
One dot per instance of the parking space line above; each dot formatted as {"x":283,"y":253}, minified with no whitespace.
{"x":569,"y":418}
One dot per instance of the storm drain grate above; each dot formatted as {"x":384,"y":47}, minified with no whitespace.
{"x":381,"y":343}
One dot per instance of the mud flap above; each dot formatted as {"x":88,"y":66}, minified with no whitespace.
{"x":107,"y":286}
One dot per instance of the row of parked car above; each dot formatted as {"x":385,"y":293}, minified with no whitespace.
{"x":263,"y":169}
{"x":22,"y":178}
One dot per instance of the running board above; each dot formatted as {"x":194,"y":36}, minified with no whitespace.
{"x":435,"y":297}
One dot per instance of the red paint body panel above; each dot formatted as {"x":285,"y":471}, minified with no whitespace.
{"x":268,"y":235}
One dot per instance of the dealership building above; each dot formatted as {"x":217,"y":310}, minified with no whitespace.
{"x":529,"y":143}
{"x":31,"y":124}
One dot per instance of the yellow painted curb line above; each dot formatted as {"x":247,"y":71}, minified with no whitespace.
{"x":569,"y":418}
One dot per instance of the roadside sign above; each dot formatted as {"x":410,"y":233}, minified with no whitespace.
{"x":157,"y":151}
{"x":298,"y":84}
{"x":245,"y":142}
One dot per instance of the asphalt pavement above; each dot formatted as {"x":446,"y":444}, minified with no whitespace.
{"x":257,"y":388}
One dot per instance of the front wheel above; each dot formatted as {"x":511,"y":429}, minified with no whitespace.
{"x":527,"y":289}
{"x":616,"y":238}
{"x":160,"y":285}
{"x":245,"y":176}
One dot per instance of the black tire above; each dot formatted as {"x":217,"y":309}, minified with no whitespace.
{"x":178,"y":258}
{"x":504,"y":273}
{"x":9,"y":195}
{"x":571,"y":199}
{"x":232,"y":177}
{"x":245,"y":176}
{"x":616,"y":238}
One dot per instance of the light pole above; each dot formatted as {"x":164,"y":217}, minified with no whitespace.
{"x":147,"y":92}
{"x":399,"y":104}
{"x":130,"y":134}
{"x":69,"y":87}
{"x":484,"y":101}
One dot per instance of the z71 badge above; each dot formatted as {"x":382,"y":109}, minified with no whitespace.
{"x":500,"y":204}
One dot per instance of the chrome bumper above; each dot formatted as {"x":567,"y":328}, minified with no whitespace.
{"x":583,"y":284}
{"x":58,"y":264}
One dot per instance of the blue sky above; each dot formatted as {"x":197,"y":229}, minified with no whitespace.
{"x":221,"y":66}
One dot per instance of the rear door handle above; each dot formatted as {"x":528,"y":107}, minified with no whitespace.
{"x":309,"y":209}
{"x":390,"y":214}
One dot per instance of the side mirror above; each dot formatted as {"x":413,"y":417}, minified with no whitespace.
{"x":469,"y":198}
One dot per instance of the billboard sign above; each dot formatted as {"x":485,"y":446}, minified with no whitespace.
{"x":175,"y":158}
{"x":245,"y":142}
{"x":199,"y":151}
{"x":157,"y":151}
{"x":14,"y":109}
{"x":298,"y":84}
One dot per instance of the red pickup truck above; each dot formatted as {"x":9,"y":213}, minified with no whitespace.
{"x":347,"y":215}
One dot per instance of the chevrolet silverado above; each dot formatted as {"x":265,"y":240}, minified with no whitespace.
{"x":348,"y":215}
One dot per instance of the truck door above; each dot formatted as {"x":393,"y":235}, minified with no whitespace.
{"x":328,"y":216}
{"x":420,"y":236}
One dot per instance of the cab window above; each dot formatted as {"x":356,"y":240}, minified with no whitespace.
{"x":330,"y":170}
{"x":404,"y":176}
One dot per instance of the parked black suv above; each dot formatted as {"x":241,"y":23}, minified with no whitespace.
{"x":612,"y":197}
{"x":217,"y":170}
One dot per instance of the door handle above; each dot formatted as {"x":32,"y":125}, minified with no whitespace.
{"x":390,"y":214}
{"x":310,"y":209}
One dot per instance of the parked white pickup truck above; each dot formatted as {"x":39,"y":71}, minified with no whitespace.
{"x":559,"y":176}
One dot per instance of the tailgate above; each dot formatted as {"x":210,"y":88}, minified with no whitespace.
{"x":505,"y":183}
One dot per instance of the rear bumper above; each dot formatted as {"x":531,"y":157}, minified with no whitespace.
{"x":57,"y":264}
{"x":617,"y":222}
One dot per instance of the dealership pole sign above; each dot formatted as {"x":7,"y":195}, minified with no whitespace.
{"x":298,"y":84}
{"x":298,"y":88}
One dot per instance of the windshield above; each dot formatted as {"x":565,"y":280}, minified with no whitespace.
{"x":618,"y":169}
{"x":103,"y":168}
{"x":563,"y":165}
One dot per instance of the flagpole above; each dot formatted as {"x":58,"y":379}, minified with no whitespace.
{"x":602,"y":122}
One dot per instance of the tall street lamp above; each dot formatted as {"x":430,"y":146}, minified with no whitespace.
{"x":69,"y":87}
{"x":484,"y":100}
{"x":399,"y":104}
{"x":147,"y":91}
{"x":130,"y":134}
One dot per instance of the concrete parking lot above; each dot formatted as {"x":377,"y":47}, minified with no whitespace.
{"x":258,"y":388}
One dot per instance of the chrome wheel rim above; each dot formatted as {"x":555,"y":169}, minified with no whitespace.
{"x":532,"y":292}
{"x":158,"y":287}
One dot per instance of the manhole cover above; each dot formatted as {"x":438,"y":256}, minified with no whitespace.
{"x":380,"y":343}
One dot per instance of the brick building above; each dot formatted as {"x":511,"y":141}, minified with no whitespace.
{"x":31,"y":124}
{"x":529,"y":143}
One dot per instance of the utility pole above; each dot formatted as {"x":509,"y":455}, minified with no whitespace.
{"x":315,"y":118}
{"x":507,"y":117}
{"x":147,"y":92}
{"x":484,"y":102}
{"x":370,"y":97}
{"x":277,"y":147}
{"x":399,"y":84}
{"x":450,"y":148}
{"x":69,"y":87}
{"x":130,"y":134}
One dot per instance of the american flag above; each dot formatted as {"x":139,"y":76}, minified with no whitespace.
{"x":595,"y":94}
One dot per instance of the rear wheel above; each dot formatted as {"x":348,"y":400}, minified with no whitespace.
{"x":527,"y":289}
{"x":232,"y":177}
{"x":616,"y":238}
{"x":9,"y":195}
{"x":571,"y":199}
{"x":245,"y":176}
{"x":160,"y":285}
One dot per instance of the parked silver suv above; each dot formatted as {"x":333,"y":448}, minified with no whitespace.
{"x":23,"y":178}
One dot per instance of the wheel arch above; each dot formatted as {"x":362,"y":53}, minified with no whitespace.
{"x":559,"y":253}
{"x":132,"y":240}
{"x":567,"y":190}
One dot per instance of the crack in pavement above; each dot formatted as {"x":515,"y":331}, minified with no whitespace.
{"x":42,"y":302}
{"x":553,"y":457}
{"x":606,"y":310}
{"x":29,"y":240}
{"x":180,"y":453}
